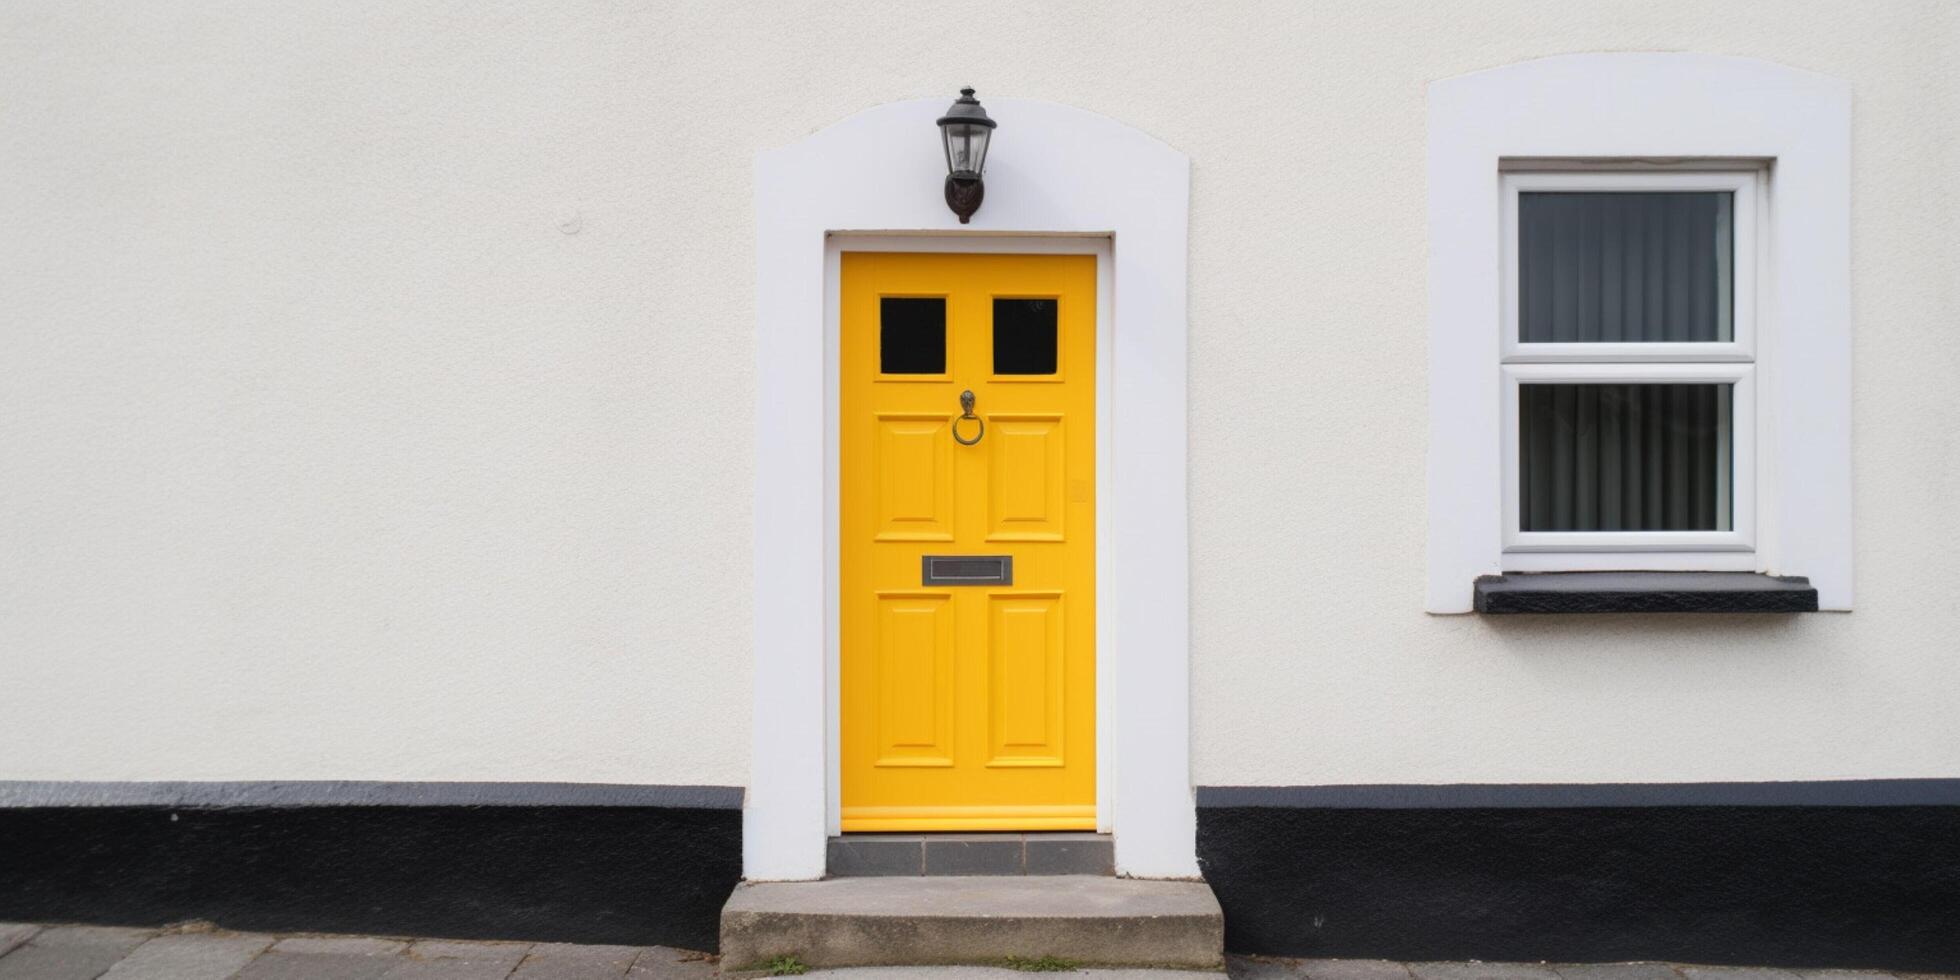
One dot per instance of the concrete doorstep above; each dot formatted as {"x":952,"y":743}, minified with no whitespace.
{"x":1082,"y":919}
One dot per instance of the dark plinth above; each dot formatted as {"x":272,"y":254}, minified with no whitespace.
{"x":545,"y":862}
{"x":1855,"y":874}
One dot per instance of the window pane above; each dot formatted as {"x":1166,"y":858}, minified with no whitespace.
{"x":1024,"y":336}
{"x":1624,"y":457}
{"x":1625,"y":267}
{"x":911,"y":335}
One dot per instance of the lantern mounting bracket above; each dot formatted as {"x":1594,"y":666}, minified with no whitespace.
{"x":964,"y":194}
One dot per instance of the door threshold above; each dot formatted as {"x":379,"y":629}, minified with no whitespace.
{"x":999,"y":853}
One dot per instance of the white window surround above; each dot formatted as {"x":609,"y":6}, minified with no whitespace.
{"x":1635,"y":110}
{"x":1058,"y":179}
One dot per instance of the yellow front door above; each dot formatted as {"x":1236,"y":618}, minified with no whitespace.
{"x":968,"y":675}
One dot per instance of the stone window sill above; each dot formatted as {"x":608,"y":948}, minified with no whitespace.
{"x":1643,"y":592}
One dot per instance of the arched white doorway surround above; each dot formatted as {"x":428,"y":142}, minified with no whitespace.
{"x":1058,"y":179}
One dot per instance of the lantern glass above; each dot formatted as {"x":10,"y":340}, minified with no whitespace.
{"x":966,"y":148}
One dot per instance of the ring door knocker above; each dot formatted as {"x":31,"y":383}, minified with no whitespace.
{"x":966,"y":412}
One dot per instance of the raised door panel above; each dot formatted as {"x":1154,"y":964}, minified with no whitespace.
{"x":915,"y":478}
{"x":1026,"y":478}
{"x":915,"y":679}
{"x":1026,"y":699}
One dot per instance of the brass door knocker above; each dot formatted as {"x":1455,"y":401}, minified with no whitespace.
{"x":966,"y":412}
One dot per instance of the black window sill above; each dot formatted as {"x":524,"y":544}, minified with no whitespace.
{"x":1644,"y":592}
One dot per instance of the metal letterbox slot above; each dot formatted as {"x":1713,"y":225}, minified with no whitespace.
{"x":967,"y":570}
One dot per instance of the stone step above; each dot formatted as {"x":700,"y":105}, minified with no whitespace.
{"x":923,"y":921}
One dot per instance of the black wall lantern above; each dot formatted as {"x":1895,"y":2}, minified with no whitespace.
{"x":966,"y":131}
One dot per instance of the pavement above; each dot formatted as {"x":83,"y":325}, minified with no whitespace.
{"x":34,"y":952}
{"x":68,"y":952}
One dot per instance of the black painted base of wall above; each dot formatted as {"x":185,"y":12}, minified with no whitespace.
{"x":638,"y":865}
{"x":1814,"y":877}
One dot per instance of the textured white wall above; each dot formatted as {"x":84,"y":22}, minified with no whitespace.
{"x":376,"y":388}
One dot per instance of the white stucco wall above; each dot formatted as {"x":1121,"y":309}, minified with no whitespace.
{"x":377,"y":396}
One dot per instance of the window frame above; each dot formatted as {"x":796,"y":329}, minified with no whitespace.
{"x":1745,"y":185}
{"x":1541,"y":550}
{"x":1731,"y":361}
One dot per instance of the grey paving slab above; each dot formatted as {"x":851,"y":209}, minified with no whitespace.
{"x":71,"y":952}
{"x":1268,"y":968}
{"x":447,"y":969}
{"x":1351,"y":970}
{"x":564,"y":961}
{"x":493,"y":952}
{"x":1617,"y":971}
{"x":1282,"y":968}
{"x":341,"y":945}
{"x":1482,"y":971}
{"x":190,"y":956}
{"x":1735,"y":973}
{"x":124,"y":938}
{"x":31,"y":962}
{"x":976,"y":854}
{"x":663,"y":963}
{"x":12,"y":934}
{"x":274,"y":965}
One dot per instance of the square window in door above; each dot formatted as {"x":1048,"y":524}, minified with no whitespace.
{"x":1024,"y":336}
{"x":911,"y":335}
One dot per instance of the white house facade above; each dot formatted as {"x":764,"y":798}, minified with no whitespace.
{"x":1458,"y":481}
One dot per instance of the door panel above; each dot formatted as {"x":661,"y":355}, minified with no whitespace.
{"x":967,"y":707}
{"x":915,"y":478}
{"x":915,"y":679}
{"x":1026,"y":690}
{"x":1025,"y":478}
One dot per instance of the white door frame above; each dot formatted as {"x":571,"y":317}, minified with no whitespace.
{"x":1062,"y":180}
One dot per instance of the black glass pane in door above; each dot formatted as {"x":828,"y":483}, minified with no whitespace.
{"x":912,"y":335}
{"x":1024,"y":336}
